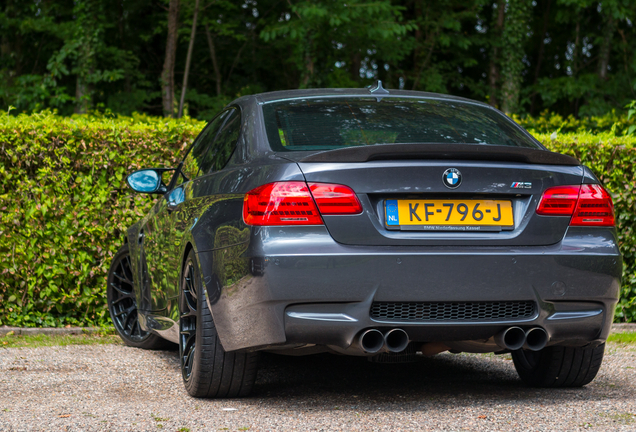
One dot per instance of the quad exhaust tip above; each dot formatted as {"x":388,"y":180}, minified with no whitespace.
{"x":396,"y":340}
{"x":511,"y":338}
{"x":536,"y":339}
{"x":371,"y":341}
{"x":514,"y":338}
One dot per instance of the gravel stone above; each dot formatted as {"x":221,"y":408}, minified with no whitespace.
{"x":114,"y":387}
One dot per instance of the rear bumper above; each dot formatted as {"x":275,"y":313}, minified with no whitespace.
{"x":299,"y":287}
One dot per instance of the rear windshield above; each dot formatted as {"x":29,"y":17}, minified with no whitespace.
{"x":332,"y":123}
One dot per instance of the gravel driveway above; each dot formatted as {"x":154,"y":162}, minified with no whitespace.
{"x":114,"y":387}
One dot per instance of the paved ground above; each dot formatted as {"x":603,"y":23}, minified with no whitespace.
{"x":113,"y":387}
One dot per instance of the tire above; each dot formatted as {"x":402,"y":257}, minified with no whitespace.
{"x":558,"y":366}
{"x":122,"y":305}
{"x":208,"y":371}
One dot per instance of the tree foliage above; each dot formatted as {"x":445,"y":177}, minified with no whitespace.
{"x":569,"y":56}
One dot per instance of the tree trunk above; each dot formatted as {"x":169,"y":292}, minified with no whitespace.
{"x":427,"y":59}
{"x":575,"y":62}
{"x":354,"y":67}
{"x":167,"y":75}
{"x":493,"y":70}
{"x":577,"y":47}
{"x":189,"y":58}
{"x":122,"y":44}
{"x":6,"y":48}
{"x":81,"y":96}
{"x":308,"y":72}
{"x":537,"y":69}
{"x":514,"y":36}
{"x":606,"y":48}
{"x":237,"y":58}
{"x":215,"y":63}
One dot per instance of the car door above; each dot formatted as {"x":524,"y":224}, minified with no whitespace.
{"x":217,"y":221}
{"x":163,"y":230}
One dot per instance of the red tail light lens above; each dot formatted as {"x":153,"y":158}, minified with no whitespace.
{"x":333,"y":199}
{"x":594,"y":208}
{"x":558,"y":201}
{"x":588,"y":204}
{"x":295,"y":203}
{"x":281,"y":203}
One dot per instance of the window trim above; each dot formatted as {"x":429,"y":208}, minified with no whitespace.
{"x":178,"y":170}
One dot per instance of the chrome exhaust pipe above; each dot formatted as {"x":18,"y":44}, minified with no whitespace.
{"x":536,"y":339}
{"x":511,"y":338}
{"x":371,"y":341}
{"x":396,"y":340}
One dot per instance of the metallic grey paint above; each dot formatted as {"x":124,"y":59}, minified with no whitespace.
{"x":288,"y":287}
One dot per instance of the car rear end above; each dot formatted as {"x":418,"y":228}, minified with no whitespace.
{"x":443,"y":226}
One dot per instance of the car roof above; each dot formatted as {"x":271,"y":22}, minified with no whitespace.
{"x":359,"y":92}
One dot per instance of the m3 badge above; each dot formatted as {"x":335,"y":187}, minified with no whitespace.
{"x":521,"y":185}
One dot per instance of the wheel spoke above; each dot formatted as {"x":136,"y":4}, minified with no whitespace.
{"x":123,"y":278}
{"x":129,"y":265}
{"x":188,"y":314}
{"x":117,"y":301}
{"x":189,"y":360}
{"x":135,"y":324}
{"x":124,"y":294}
{"x":125,"y":325}
{"x":188,"y":320}
{"x":190,"y":291}
{"x":126,"y":311}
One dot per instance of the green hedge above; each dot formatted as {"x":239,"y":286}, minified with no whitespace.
{"x":613,"y":122}
{"x":64,"y":205}
{"x":613,"y":160}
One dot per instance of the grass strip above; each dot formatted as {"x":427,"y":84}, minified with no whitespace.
{"x":41,"y":340}
{"x":624,"y":338}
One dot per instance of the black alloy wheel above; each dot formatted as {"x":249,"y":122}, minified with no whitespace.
{"x":208,"y":371}
{"x":122,"y":304}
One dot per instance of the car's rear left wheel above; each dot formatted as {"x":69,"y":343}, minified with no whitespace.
{"x":558,"y":366}
{"x":208,"y":370}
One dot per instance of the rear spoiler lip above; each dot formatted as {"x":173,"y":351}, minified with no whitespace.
{"x":478,"y":152}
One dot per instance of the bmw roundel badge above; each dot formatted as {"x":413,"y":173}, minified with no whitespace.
{"x":452,"y":178}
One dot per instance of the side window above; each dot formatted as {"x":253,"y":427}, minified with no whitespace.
{"x":225,"y":142}
{"x":195,"y":158}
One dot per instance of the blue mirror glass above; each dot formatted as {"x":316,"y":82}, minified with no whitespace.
{"x":144,"y":181}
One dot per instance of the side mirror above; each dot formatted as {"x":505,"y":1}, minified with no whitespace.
{"x":147,"y":181}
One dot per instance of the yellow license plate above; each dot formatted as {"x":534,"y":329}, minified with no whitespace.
{"x":449,"y":214}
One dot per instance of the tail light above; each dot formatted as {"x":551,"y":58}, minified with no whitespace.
{"x":588,"y":204}
{"x":295,"y":203}
{"x":559,"y":201}
{"x":333,"y":199}
{"x":595,"y":207}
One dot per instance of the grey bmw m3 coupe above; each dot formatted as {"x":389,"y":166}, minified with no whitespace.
{"x":376,"y":223}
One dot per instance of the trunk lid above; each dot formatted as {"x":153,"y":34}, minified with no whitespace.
{"x":378,"y":176}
